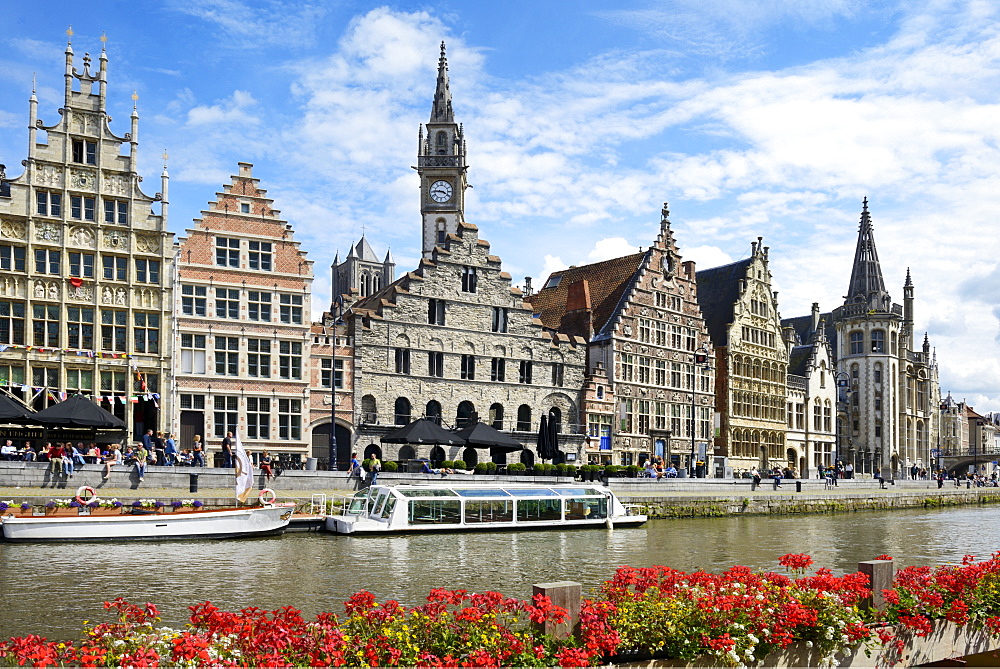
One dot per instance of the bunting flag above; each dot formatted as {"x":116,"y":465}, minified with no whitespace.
{"x":244,"y":471}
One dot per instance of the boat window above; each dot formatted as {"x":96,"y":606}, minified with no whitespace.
{"x":534,"y":510}
{"x":389,"y":506}
{"x":358,"y":502}
{"x":492,"y":511}
{"x":481,"y":492}
{"x":444,"y":492}
{"x":379,"y":503}
{"x":532,"y":492}
{"x":586,"y":508}
{"x":435,"y":511}
{"x":576,"y":492}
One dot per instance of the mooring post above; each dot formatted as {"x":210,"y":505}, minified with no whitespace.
{"x":566,"y":594}
{"x":881,"y":574}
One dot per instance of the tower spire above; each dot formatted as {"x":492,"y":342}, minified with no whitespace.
{"x":441,"y":111}
{"x":867,"y":285}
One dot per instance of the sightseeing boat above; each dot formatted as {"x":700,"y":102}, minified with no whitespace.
{"x":251,"y":521}
{"x":440,"y":507}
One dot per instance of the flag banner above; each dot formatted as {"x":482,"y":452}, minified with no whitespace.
{"x":244,"y":471}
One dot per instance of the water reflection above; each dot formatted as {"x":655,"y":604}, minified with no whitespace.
{"x":51,"y":588}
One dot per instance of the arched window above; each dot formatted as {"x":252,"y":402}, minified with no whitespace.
{"x":496,"y":416}
{"x":892,"y":343}
{"x":373,"y":449}
{"x":402,"y":411}
{"x":433,"y":411}
{"x":555,"y":419}
{"x":369,"y":410}
{"x":463,"y":416}
{"x":437,"y":456}
{"x":406,"y":452}
{"x":442,"y":143}
{"x":363,"y":287}
{"x":471,"y":457}
{"x":524,"y":418}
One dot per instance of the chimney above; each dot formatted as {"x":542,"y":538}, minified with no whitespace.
{"x":527,"y":286}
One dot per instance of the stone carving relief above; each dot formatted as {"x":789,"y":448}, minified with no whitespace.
{"x":115,"y":184}
{"x":627,"y":330}
{"x":120,"y":297}
{"x":147,"y":298}
{"x":83,"y":179}
{"x":53,"y":291}
{"x":12,"y":229}
{"x":116,"y":240}
{"x":81,"y":236}
{"x":11,"y":286}
{"x":80,"y":293}
{"x":627,"y":348}
{"x":48,"y":175}
{"x":46,"y":291}
{"x":644,"y":311}
{"x":107,"y":296}
{"x":147,"y":244}
{"x":48,"y":232}
{"x":85,"y":123}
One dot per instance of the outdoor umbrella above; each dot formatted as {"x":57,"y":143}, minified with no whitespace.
{"x":544,"y":446}
{"x":12,"y":411}
{"x":423,"y":431}
{"x":481,"y":435}
{"x":77,"y":411}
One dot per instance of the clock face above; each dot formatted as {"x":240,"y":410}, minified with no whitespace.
{"x":441,"y":191}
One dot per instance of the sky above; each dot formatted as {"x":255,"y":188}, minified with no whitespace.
{"x":751,"y":118}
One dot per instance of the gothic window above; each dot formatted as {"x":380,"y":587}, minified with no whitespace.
{"x":857,"y":342}
{"x":524,"y":418}
{"x":892,"y":344}
{"x":402,"y":411}
{"x":442,"y":142}
{"x":365,"y":287}
{"x":496,"y":416}
{"x":878,"y":341}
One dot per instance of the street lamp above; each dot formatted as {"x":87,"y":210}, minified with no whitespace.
{"x":843,"y":388}
{"x":700,"y":359}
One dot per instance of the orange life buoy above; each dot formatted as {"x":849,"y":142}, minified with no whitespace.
{"x":267,"y":496}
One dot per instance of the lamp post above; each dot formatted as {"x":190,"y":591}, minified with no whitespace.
{"x":843,"y":389}
{"x":700,"y":359}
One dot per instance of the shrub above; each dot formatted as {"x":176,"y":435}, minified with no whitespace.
{"x":561,"y":467}
{"x":458,"y":464}
{"x":366,"y":464}
{"x":481,"y":468}
{"x":517,"y":467}
{"x":570,"y":470}
{"x":632,"y":470}
{"x":390,"y":466}
{"x":491,"y":467}
{"x":448,"y":464}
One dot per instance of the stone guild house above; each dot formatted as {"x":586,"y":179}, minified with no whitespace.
{"x":751,"y":360}
{"x":85,"y":263}
{"x":641,"y":318}
{"x":244,"y":334}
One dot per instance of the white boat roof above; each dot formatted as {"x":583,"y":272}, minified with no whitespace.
{"x":457,"y":489}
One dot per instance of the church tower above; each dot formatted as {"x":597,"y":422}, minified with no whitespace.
{"x":360,"y":275}
{"x":441,"y":166}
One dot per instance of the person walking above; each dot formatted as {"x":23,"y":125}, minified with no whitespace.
{"x":197,"y":452}
{"x":158,"y":450}
{"x":227,"y":450}
{"x":170,"y":449}
{"x":375,"y":465}
{"x":354,"y":469}
{"x":141,"y":456}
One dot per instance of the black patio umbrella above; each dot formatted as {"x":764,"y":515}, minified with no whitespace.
{"x":545,"y":446}
{"x":481,"y":435}
{"x":423,"y":431}
{"x":77,"y":411}
{"x":12,"y":411}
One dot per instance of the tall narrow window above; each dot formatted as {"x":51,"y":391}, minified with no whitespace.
{"x":857,"y":342}
{"x":146,"y":332}
{"x":435,"y":312}
{"x":80,"y":327}
{"x":469,"y":367}
{"x":498,"y":369}
{"x":290,"y":419}
{"x":435,"y":363}
{"x":258,"y":418}
{"x":878,"y":341}
{"x":226,"y":415}
{"x":259,"y":357}
{"x":193,"y":354}
{"x":227,"y":357}
{"x":45,"y":323}
{"x":499,"y":319}
{"x":290,"y":359}
{"x":524,"y":375}
{"x":558,"y":371}
{"x":402,"y":361}
{"x":469,"y":279}
{"x":114,"y":329}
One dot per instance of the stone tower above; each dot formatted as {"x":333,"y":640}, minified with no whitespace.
{"x":442,"y":168}
{"x":359,"y":275}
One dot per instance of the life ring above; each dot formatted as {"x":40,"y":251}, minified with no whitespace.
{"x":85,"y":489}
{"x":267,"y":496}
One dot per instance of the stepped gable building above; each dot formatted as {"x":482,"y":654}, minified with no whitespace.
{"x":360,"y":275}
{"x":812,"y":400}
{"x":890,"y":408}
{"x":751,"y":360}
{"x":453,"y":339}
{"x":85,"y":263}
{"x":243,"y":327}
{"x":641,"y":317}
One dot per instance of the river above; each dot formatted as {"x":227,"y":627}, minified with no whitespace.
{"x":50,"y":589}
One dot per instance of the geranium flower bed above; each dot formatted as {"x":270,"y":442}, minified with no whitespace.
{"x":732,"y":618}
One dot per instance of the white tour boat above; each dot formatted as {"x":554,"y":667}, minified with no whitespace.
{"x":441,"y":507}
{"x":250,"y":521}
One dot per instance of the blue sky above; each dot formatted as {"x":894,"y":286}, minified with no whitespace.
{"x":769,"y":118}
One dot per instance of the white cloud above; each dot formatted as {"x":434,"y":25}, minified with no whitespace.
{"x":234,"y":110}
{"x":611,"y":247}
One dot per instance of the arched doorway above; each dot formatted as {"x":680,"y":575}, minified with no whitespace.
{"x":555,"y":420}
{"x":471,"y":457}
{"x":406,"y":452}
{"x":437,"y":456}
{"x":528,"y":458}
{"x":466,"y":410}
{"x":433,"y":411}
{"x":803,"y":473}
{"x":373,"y":449}
{"x":791,"y":456}
{"x":496,"y":416}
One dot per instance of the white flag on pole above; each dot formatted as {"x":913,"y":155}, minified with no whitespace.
{"x":244,"y":471}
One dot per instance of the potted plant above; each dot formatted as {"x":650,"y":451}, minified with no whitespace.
{"x":390,"y":466}
{"x":517,"y":468}
{"x":481,"y":468}
{"x":50,"y":508}
{"x":632,"y":471}
{"x":491,"y":467}
{"x":459,"y":464}
{"x":570,"y":471}
{"x":611,"y":471}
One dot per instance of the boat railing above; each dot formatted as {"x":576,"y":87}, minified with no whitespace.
{"x":633,"y":509}
{"x":317,"y":504}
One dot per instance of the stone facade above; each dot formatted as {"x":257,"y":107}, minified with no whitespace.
{"x":85,"y":263}
{"x":811,"y":410}
{"x":243,"y":326}
{"x":641,"y":317}
{"x":751,"y":361}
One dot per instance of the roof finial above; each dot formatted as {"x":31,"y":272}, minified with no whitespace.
{"x":34,"y":82}
{"x":135,"y":99}
{"x":165,"y":156}
{"x":69,"y":35}
{"x":909,"y":281}
{"x":104,"y":41}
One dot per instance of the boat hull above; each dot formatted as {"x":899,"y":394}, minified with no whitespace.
{"x":219,"y":524}
{"x":366,"y":527}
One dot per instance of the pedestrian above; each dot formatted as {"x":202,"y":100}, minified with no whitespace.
{"x":754,"y":478}
{"x":354,"y":469}
{"x":147,"y":440}
{"x":849,"y":471}
{"x":110,"y":460}
{"x":375,"y":466}
{"x":170,"y":449}
{"x":158,"y":454}
{"x":265,"y":465}
{"x":197,"y":452}
{"x":227,"y":450}
{"x":141,"y":456}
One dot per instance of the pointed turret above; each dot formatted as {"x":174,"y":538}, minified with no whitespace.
{"x":441,"y":111}
{"x":867,"y":285}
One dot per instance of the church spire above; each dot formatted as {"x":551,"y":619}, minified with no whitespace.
{"x":867,"y":285}
{"x":441,"y":111}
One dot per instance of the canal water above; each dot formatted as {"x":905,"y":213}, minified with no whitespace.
{"x":50,"y":589}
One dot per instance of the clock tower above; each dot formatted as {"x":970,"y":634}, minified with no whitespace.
{"x":441,"y":166}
